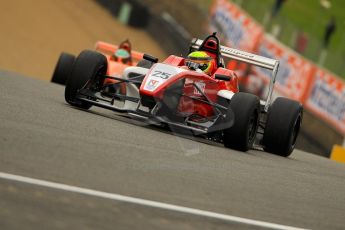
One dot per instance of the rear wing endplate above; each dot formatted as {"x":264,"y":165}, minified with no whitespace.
{"x":249,"y":58}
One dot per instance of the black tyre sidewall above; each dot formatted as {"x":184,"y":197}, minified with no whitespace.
{"x":87,"y":66}
{"x":63,"y":68}
{"x":283,"y":122}
{"x":244,"y":107}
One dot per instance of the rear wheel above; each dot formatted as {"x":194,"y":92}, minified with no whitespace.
{"x":63,"y":68}
{"x":244,"y":109}
{"x":89,"y":68}
{"x":284,"y":120}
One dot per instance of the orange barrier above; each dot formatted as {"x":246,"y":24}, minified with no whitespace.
{"x":338,"y":153}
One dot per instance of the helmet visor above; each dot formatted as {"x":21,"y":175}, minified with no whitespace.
{"x":121,"y":53}
{"x":194,"y":65}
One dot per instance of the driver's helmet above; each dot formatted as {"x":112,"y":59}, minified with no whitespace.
{"x":122,"y":55}
{"x":200,"y":60}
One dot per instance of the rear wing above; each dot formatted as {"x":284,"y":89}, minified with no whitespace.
{"x":249,"y":58}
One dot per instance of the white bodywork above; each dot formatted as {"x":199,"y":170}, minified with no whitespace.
{"x":159,"y":74}
{"x":131,"y":89}
{"x":225,"y":94}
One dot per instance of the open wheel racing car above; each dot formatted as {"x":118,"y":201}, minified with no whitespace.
{"x":118,"y":57}
{"x":210,"y":106}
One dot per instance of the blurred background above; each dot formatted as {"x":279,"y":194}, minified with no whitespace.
{"x":35,"y":32}
{"x":297,"y":22}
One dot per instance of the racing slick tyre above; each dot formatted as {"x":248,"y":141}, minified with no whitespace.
{"x":63,"y":68}
{"x":87,"y":69}
{"x":241,"y":135}
{"x":284,"y":120}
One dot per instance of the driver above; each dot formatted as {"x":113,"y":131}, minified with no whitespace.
{"x":201,"y":61}
{"x":122,"y":55}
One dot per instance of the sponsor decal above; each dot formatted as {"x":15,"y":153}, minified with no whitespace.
{"x":152,"y":84}
{"x":161,"y":74}
{"x":327,"y":99}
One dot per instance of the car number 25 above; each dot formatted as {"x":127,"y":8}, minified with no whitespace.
{"x":161,"y":74}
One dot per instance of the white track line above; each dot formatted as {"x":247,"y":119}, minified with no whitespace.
{"x":143,"y":202}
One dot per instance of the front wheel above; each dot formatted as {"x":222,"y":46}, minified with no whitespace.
{"x":244,"y":108}
{"x":284,"y":120}
{"x":89,"y":67}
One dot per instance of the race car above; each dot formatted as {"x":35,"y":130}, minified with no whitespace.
{"x":118,"y":57}
{"x":174,"y":95}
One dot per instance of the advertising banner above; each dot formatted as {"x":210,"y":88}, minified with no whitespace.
{"x":295,"y":72}
{"x":326,"y":99}
{"x":235,"y":28}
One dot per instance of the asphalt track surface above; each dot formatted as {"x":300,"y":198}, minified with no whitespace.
{"x":42,"y":137}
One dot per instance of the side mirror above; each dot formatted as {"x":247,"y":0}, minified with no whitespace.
{"x":150,"y":58}
{"x":222,"y":77}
